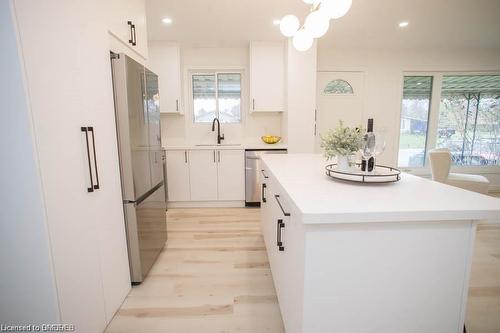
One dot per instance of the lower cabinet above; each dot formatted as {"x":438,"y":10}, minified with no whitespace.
{"x":206,"y":175}
{"x":203,"y":175}
{"x":178,"y":175}
{"x":231,"y":175}
{"x":284,"y":240}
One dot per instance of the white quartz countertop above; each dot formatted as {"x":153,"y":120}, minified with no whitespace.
{"x":241,"y":146}
{"x":321,"y":199}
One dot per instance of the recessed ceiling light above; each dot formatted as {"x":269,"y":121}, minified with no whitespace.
{"x":403,"y":24}
{"x":276,"y":22}
{"x":167,"y":20}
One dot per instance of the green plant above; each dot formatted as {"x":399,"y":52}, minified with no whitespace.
{"x":342,"y":141}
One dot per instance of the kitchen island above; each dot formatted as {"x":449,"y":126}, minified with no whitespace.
{"x":358,"y":258}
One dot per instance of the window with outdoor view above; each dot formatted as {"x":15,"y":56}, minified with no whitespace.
{"x":417,"y":92}
{"x":469,"y":119}
{"x":466,"y":120}
{"x":216,"y":95}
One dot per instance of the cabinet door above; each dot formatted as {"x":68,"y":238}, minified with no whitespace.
{"x":178,"y":175}
{"x":120,"y":12}
{"x":231,"y":174}
{"x":164,"y":60}
{"x":203,"y":175}
{"x":86,"y":229}
{"x":267,"y":76}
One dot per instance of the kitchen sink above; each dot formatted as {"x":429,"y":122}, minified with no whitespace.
{"x":217,"y":145}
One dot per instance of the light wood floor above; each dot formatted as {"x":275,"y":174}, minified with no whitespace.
{"x":213,"y":276}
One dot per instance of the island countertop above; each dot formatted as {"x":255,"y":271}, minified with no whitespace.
{"x":321,"y":199}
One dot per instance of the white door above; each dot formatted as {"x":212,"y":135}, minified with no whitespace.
{"x":339,"y":96}
{"x":231,"y":174}
{"x":203,"y":175}
{"x":178,"y":175}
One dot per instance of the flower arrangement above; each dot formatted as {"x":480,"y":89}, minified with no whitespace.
{"x":342,"y":141}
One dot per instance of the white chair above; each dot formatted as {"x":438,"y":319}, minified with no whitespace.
{"x":440,"y":166}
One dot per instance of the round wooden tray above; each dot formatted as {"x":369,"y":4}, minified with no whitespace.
{"x":381,"y":174}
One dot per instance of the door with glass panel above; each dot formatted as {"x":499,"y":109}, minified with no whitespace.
{"x":469,"y":119}
{"x":415,"y":111}
{"x":339,"y":97}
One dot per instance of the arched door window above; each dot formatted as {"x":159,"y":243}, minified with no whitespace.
{"x":338,"y":87}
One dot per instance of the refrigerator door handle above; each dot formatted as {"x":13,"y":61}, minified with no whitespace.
{"x":91,"y":188}
{"x":97,"y":186}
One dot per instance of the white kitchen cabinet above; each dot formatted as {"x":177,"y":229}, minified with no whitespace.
{"x":231,"y":174}
{"x":165,"y":61}
{"x":203,"y":175}
{"x":85,"y":229}
{"x":267,"y":76}
{"x":206,"y":175}
{"x":178,"y":175}
{"x":127,"y":21}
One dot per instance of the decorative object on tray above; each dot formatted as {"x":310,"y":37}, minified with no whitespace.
{"x":380,"y":174}
{"x":342,"y":142}
{"x":270,"y":139}
{"x":373,"y":145}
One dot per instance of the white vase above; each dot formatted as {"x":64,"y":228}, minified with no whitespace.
{"x":343,"y":163}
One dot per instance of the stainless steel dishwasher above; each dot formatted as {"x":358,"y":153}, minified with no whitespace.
{"x":252,"y":174}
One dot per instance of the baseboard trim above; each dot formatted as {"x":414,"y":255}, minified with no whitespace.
{"x":205,"y":204}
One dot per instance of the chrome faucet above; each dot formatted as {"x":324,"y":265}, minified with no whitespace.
{"x":219,"y":137}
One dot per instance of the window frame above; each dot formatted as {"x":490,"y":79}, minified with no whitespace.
{"x":215,"y":71}
{"x":432,"y":125}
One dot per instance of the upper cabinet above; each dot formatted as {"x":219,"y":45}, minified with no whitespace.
{"x":267,"y":76}
{"x":165,"y":61}
{"x":127,"y":21}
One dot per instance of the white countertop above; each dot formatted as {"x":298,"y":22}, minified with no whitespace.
{"x":229,"y":145}
{"x":321,"y":199}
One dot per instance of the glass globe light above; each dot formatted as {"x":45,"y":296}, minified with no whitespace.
{"x":317,"y":23}
{"x":302,"y":40}
{"x":289,"y":25}
{"x":335,"y":8}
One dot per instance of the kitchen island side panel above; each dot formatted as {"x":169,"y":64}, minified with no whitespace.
{"x":386,"y":277}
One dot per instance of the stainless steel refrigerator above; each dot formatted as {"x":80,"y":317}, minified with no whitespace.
{"x":142,"y":162}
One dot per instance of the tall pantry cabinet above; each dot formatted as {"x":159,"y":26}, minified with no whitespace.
{"x":64,"y":51}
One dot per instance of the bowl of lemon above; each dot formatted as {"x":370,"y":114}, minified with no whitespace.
{"x":271,"y":139}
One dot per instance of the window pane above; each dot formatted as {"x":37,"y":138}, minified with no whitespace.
{"x":417,"y":92}
{"x":204,"y":98}
{"x":229,"y":97}
{"x":469,"y":117}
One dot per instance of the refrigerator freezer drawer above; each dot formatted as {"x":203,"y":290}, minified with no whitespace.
{"x":147,"y":232}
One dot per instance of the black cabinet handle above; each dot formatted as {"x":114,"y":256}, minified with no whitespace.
{"x":91,"y":188}
{"x":264,"y":192}
{"x":185,"y":156}
{"x":176,"y":105}
{"x":91,"y":129}
{"x":131,"y":40}
{"x":264,"y":174}
{"x":134,"y":43}
{"x":253,"y":104}
{"x":276,"y":196}
{"x":280,"y":225}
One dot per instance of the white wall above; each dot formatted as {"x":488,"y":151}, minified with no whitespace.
{"x":384,"y":82}
{"x":301,"y":99}
{"x":180,"y":129}
{"x":27,"y":287}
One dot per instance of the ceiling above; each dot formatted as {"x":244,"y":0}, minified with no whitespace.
{"x":369,"y":24}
